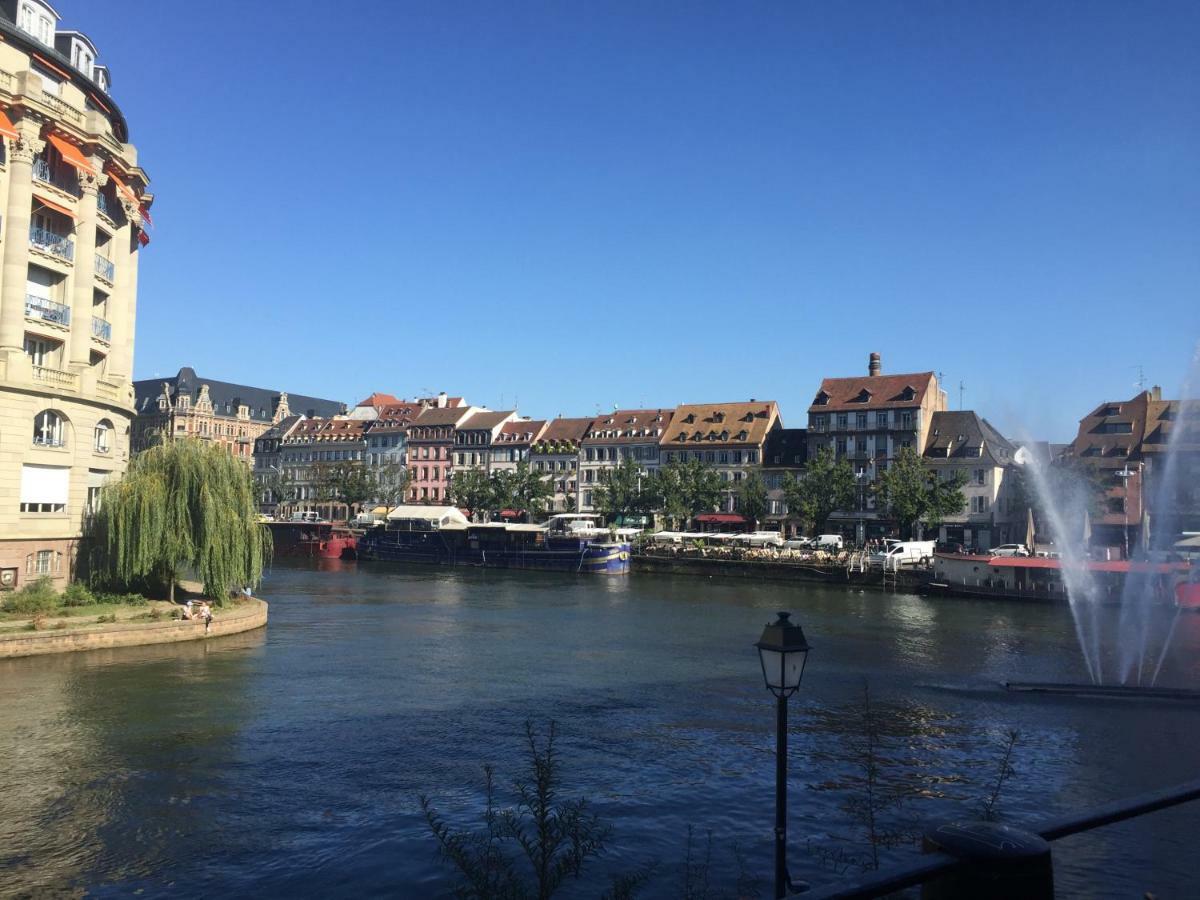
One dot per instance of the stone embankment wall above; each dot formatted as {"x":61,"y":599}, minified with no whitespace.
{"x":771,"y":571}
{"x":245,"y":617}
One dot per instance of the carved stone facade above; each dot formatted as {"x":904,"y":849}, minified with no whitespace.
{"x":73,"y":200}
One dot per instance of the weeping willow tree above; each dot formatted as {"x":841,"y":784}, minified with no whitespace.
{"x":182,"y":505}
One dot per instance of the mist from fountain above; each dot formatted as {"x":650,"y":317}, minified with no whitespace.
{"x":1065,"y":505}
{"x":1141,"y":619}
{"x":1143,"y":630}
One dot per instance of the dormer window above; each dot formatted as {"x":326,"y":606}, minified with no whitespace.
{"x":748,"y":417}
{"x":863,"y":396}
{"x":37,"y":20}
{"x":719,"y":417}
{"x":821,"y":399}
{"x":689,"y":419}
{"x":908,"y":393}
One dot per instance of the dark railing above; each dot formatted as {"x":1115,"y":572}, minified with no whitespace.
{"x":939,"y":865}
{"x":47,"y":310}
{"x":105,"y":268}
{"x":55,"y":244}
{"x":101,"y":329}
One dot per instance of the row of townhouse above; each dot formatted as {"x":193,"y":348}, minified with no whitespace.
{"x":867,"y":420}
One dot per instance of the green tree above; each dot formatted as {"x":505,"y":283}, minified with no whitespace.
{"x":391,"y":484}
{"x":1075,"y":487}
{"x":752,"y":498}
{"x":528,"y":490}
{"x":826,"y":486}
{"x":621,"y":492}
{"x":686,"y":489}
{"x":911,"y":491}
{"x":184,"y":504}
{"x":471,"y":489}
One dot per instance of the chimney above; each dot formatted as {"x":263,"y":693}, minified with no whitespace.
{"x":441,"y":400}
{"x":876,"y":366}
{"x":1156,"y":392}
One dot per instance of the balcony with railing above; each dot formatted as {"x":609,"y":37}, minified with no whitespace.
{"x":101,"y":328}
{"x":55,"y":244}
{"x":59,"y":177}
{"x":104,"y":268}
{"x":47,"y":310}
{"x":56,"y":377}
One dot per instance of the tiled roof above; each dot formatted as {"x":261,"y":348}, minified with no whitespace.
{"x":449,"y":415}
{"x":485,"y":420}
{"x":562,"y":435}
{"x":629,"y":426}
{"x":699,"y":425}
{"x":963,"y":435}
{"x":394,"y":418}
{"x":224,"y":395}
{"x":377,"y":400}
{"x":868,"y":392}
{"x":521,"y":432}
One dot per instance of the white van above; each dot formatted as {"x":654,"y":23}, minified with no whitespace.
{"x":904,"y":553}
{"x":828,"y":542}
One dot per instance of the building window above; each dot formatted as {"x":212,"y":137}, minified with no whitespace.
{"x":841,"y":447}
{"x":100,"y":436}
{"x":860,"y":420}
{"x":49,"y":429}
{"x":881,"y":420}
{"x":861,"y":445}
{"x":906,"y":419}
{"x":843,"y":420}
{"x":709,"y":456}
{"x":751,"y":456}
{"x":981,"y":476}
{"x":737,"y":457}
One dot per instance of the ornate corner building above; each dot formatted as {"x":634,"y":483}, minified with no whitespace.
{"x":75,"y":215}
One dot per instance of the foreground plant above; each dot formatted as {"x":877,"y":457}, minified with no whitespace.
{"x":527,"y":850}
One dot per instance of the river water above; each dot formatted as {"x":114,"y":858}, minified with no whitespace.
{"x":290,"y":761}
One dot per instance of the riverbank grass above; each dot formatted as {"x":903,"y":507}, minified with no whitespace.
{"x":39,"y":607}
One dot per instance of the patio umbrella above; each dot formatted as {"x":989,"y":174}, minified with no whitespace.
{"x":1029,"y":533}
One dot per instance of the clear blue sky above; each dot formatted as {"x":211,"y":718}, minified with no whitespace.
{"x":579,"y":203}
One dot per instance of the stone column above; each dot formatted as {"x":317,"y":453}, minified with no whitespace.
{"x":21,"y":152}
{"x":83,"y":290}
{"x":122,"y":306}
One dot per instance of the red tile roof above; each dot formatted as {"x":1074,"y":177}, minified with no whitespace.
{"x":866,"y":392}
{"x":377,"y":400}
{"x":520,"y":433}
{"x":699,"y":425}
{"x":629,"y":426}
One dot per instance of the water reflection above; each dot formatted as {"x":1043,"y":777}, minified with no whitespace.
{"x":289,"y":760}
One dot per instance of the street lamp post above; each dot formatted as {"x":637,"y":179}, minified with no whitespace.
{"x":1125,"y":474}
{"x":783,"y":652}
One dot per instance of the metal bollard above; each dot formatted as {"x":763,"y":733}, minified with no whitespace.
{"x":998,"y":862}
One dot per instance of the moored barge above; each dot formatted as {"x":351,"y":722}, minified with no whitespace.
{"x":1040,"y":578}
{"x":442,"y":535}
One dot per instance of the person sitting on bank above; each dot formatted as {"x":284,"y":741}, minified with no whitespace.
{"x":187,"y":610}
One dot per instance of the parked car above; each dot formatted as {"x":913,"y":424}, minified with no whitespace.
{"x":830,"y":542}
{"x":904,"y":553}
{"x":798,"y":543}
{"x":1009,"y":550}
{"x":949,"y":547}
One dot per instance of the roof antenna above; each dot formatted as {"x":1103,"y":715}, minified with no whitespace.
{"x":1141,"y":379}
{"x":961,"y":388}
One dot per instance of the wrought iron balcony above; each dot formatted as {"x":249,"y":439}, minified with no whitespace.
{"x":47,"y":310}
{"x":64,"y":180}
{"x":104,"y":268}
{"x":102,"y":205}
{"x":102,"y":329}
{"x":54,"y":244}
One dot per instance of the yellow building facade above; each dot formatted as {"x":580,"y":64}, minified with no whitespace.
{"x":75,"y":212}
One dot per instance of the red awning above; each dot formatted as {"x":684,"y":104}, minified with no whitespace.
{"x":123,"y":187}
{"x":509,"y":514}
{"x":50,"y":204}
{"x":721,"y":518}
{"x":6,"y":126}
{"x":72,"y":155}
{"x":143,"y":238}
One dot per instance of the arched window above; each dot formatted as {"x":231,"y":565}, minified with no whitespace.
{"x":102,"y":436}
{"x":49,"y":429}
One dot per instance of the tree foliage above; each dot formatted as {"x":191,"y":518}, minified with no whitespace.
{"x":520,"y":489}
{"x":391,"y":483}
{"x":826,"y":486}
{"x":911,"y":491}
{"x":184,"y":504}
{"x":752,"y":497}
{"x":624,"y":491}
{"x":686,"y":489}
